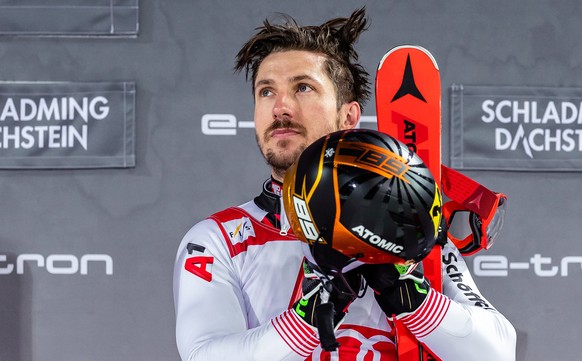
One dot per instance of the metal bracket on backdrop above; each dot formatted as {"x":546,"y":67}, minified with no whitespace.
{"x":486,"y":210}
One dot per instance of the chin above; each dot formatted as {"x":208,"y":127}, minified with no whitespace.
{"x":283,"y":157}
{"x":285,"y":146}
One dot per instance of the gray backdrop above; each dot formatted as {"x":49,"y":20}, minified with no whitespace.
{"x":181,"y":63}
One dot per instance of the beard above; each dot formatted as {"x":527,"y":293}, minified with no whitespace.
{"x":282,"y":160}
{"x":281,"y":157}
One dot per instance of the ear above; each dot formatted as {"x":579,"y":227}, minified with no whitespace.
{"x":351,"y":113}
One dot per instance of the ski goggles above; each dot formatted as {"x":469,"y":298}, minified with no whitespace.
{"x":485,"y":223}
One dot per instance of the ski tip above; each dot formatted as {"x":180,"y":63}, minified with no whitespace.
{"x":408,"y":46}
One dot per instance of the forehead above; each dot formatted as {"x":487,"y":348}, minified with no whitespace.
{"x":291,"y":64}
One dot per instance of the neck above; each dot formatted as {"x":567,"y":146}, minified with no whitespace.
{"x":278,"y":175}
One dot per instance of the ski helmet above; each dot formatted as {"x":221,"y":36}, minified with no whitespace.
{"x":362,"y":195}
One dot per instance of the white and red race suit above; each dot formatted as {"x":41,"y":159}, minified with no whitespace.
{"x":237,"y":274}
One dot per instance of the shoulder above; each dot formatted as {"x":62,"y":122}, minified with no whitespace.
{"x":210,"y":234}
{"x":219,"y":222}
{"x":232,"y":230}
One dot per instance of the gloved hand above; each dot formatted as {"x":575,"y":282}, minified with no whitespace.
{"x":399,"y":290}
{"x":325,"y":301}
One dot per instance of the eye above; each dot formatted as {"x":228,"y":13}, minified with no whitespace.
{"x":265,"y":92}
{"x":302,"y":88}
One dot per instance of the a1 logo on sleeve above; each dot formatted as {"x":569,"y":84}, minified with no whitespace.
{"x":200,"y":266}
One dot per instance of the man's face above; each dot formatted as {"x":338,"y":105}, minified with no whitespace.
{"x":295,"y":104}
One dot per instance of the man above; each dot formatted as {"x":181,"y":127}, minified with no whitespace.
{"x":238,"y":273}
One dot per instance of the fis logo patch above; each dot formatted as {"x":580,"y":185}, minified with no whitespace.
{"x":239,"y":230}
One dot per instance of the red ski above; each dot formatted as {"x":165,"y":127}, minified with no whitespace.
{"x":408,"y":107}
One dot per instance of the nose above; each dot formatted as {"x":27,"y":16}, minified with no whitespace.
{"x":283,"y":107}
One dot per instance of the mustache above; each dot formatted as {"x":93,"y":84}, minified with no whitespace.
{"x":284,"y":123}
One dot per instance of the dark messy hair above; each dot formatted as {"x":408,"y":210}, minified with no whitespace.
{"x":334,"y":38}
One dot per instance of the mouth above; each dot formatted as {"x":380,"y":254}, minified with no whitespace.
{"x":283,"y":129}
{"x":284,"y":133}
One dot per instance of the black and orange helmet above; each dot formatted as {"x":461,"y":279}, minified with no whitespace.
{"x":361,"y":195}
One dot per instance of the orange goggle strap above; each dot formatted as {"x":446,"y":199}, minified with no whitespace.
{"x":487,"y":210}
